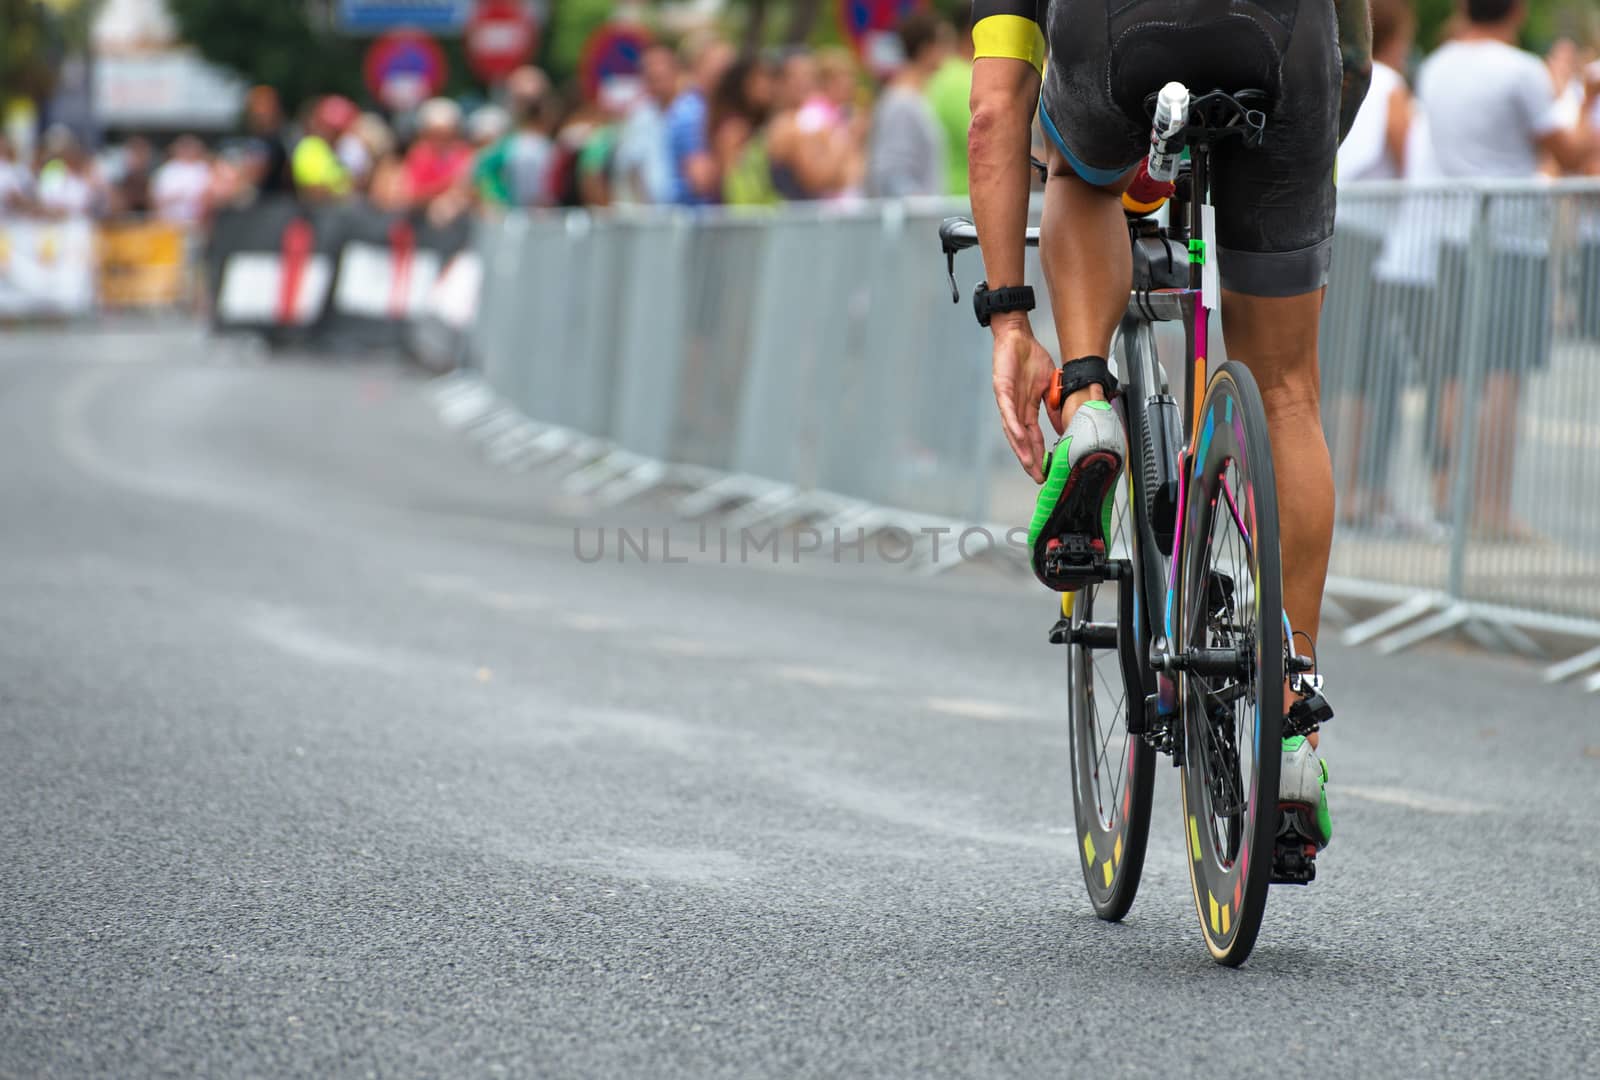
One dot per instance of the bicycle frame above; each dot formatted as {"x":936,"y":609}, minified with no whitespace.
{"x":1143,"y":397}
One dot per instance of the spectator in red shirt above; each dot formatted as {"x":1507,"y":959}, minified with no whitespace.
{"x":440,"y":157}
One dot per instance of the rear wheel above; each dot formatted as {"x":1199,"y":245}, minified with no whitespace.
{"x":1231,"y":597}
{"x":1113,"y":773}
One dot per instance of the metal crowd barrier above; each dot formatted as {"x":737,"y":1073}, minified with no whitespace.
{"x":807,"y":364}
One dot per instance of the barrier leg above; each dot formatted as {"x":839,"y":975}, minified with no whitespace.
{"x":1451,"y":618}
{"x":1577,"y":665}
{"x":1392,"y":619}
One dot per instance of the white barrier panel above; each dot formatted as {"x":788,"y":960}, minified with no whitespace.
{"x":816,"y":350}
{"x":46,"y":268}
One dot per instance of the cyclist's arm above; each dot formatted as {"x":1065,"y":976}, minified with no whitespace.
{"x":1355,"y":56}
{"x":1008,"y":50}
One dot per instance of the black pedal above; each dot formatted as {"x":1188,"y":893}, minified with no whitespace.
{"x":1309,"y":713}
{"x":1294,"y":864}
{"x":1074,"y":561}
{"x":1294,"y":856}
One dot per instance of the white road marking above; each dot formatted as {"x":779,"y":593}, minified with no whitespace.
{"x":692,"y":647}
{"x":824,"y":677}
{"x":973,"y":709}
{"x":287,"y":632}
{"x":455,"y":585}
{"x":594,"y":623}
{"x":1411,"y":800}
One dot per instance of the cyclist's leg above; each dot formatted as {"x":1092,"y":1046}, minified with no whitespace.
{"x":1274,"y":233}
{"x":1088,"y":271}
{"x":1093,"y":148}
{"x":1276,"y":337}
{"x":1087,"y":263}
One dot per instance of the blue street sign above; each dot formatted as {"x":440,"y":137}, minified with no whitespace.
{"x":376,"y":16}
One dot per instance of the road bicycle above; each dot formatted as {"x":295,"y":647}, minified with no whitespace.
{"x":1183,"y":648}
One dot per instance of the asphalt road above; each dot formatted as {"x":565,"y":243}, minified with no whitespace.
{"x":322,"y":754}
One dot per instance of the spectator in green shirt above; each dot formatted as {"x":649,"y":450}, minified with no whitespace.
{"x":947,"y":92}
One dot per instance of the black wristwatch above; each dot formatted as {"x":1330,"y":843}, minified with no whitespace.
{"x":987,"y":302}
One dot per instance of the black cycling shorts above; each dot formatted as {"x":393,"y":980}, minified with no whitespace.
{"x":1274,"y":203}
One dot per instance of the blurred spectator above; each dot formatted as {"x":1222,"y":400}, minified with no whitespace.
{"x":16,"y":181}
{"x":69,"y":185}
{"x":572,"y":134}
{"x":948,"y":91}
{"x":1375,"y":147}
{"x":695,"y":178}
{"x":516,"y":170}
{"x":181,"y":187}
{"x":597,"y":157}
{"x":367,"y":149}
{"x":1365,"y":359}
{"x":834,"y":109}
{"x":907,"y":156}
{"x":1491,"y":112}
{"x":809,"y":160}
{"x":642,"y":167}
{"x":319,"y":175}
{"x":439,"y":157}
{"x":129,"y":183}
{"x":832,"y":101}
{"x":270,"y":170}
{"x":487,"y":125}
{"x":737,"y":119}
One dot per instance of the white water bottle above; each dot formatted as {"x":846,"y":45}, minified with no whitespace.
{"x":1172,"y":113}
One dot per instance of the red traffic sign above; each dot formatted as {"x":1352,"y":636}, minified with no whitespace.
{"x":404,"y":68}
{"x":501,"y":36}
{"x":615,"y":50}
{"x":870,"y":26}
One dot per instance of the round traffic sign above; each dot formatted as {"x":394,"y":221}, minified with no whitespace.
{"x":870,"y":26}
{"x":405,"y":67}
{"x":615,"y":50}
{"x":501,"y":36}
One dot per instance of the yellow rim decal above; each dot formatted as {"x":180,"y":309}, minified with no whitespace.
{"x":1116,"y":851}
{"x":1194,"y":838}
{"x":1215,"y":925}
{"x":1106,"y":866}
{"x":1224,"y":918}
{"x":1088,"y":849}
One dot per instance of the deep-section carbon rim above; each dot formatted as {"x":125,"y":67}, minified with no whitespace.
{"x":1231,"y":599}
{"x":1112,"y":772}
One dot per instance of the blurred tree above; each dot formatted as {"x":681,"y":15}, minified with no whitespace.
{"x":30,"y":50}
{"x":568,"y":29}
{"x":273,"y":42}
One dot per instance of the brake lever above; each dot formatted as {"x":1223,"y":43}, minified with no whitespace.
{"x":950,"y":271}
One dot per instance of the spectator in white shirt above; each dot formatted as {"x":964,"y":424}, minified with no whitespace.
{"x":1492,"y":113}
{"x":180,"y":187}
{"x":16,"y":183}
{"x":1364,"y":368}
{"x":69,"y":186}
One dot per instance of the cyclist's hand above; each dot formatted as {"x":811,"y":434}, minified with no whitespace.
{"x":1023,"y":372}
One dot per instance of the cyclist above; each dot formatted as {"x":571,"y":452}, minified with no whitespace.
{"x":1274,"y":229}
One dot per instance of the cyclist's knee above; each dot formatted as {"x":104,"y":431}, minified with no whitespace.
{"x":1277,"y":338}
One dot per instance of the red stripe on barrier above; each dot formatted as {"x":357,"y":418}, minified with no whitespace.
{"x":297,"y":241}
{"x":403,"y":245}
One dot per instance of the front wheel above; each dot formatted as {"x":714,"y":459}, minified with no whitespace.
{"x":1231,"y":614}
{"x":1113,"y":773}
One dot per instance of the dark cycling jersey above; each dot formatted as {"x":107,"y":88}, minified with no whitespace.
{"x":1274,"y":205}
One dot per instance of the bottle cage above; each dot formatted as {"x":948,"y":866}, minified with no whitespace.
{"x":1220,"y":115}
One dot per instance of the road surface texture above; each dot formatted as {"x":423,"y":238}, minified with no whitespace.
{"x":321,"y":754}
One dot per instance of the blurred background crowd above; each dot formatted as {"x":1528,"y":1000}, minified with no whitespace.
{"x":701,"y":111}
